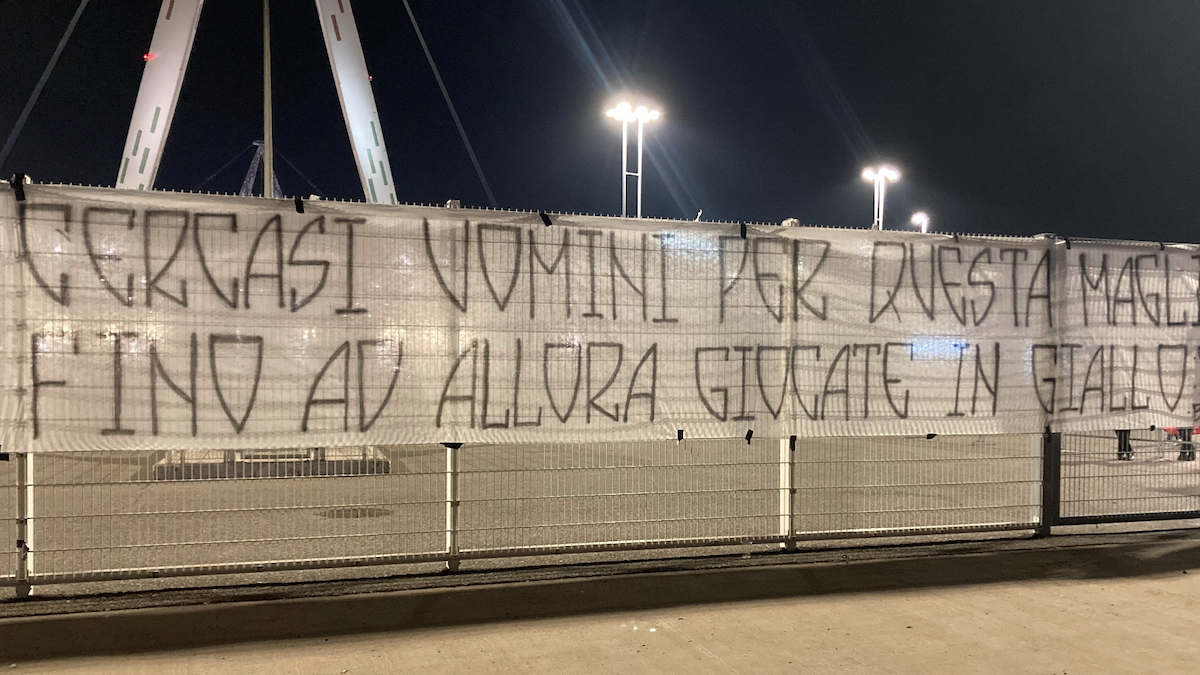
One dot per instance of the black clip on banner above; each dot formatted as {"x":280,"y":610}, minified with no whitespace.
{"x":678,"y":435}
{"x":743,"y":226}
{"x":749,"y":435}
{"x":545,"y":218}
{"x":792,"y":444}
{"x":452,"y":446}
{"x":18,"y":186}
{"x":930,"y":437}
{"x":299,"y":205}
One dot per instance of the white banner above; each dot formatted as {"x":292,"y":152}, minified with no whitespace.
{"x":145,"y":320}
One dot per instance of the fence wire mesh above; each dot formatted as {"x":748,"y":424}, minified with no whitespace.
{"x":617,"y":493}
{"x":1156,"y":473}
{"x":879,"y":485}
{"x":8,"y":519}
{"x":107,"y":511}
{"x":120,"y":514}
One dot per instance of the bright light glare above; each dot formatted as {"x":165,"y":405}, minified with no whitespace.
{"x":889,"y":173}
{"x":625,"y":112}
{"x":622,"y":112}
{"x":920,"y":218}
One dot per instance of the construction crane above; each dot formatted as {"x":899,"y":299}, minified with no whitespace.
{"x":166,"y":65}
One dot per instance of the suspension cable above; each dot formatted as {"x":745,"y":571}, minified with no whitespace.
{"x":446,"y":95}
{"x":311,"y":184}
{"x":223,"y":167}
{"x":37,"y":91}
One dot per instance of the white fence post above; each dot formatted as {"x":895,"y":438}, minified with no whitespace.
{"x":24,"y":527}
{"x":787,"y":492}
{"x":452,"y":506}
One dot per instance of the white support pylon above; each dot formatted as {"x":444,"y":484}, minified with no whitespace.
{"x":166,"y":63}
{"x":358,"y":102}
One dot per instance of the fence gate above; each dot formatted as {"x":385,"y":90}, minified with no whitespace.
{"x":1104,"y":479}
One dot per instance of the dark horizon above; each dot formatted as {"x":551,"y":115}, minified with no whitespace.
{"x":1007,"y":118}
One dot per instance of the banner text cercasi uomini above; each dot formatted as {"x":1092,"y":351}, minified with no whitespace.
{"x":163,"y":321}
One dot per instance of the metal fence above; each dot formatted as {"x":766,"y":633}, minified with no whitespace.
{"x":1156,"y":477}
{"x":8,"y":521}
{"x":122,"y":515}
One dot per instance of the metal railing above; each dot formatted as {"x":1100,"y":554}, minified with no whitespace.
{"x":1156,"y":477}
{"x":122,"y":515}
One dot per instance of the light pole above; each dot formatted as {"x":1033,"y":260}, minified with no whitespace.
{"x":268,"y":131}
{"x":921,"y":220}
{"x":626,"y":113}
{"x":880,"y":176}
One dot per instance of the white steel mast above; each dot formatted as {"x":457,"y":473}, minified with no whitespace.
{"x":358,"y":102}
{"x":166,"y":64}
{"x":268,"y":131}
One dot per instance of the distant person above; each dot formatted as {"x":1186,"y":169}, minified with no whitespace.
{"x":1187,"y":451}
{"x":1124,"y":447}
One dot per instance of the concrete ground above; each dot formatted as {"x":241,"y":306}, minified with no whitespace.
{"x":1101,"y":603}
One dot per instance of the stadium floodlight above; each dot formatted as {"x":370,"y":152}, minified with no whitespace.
{"x":626,"y":113}
{"x":880,"y":176}
{"x":921,"y":220}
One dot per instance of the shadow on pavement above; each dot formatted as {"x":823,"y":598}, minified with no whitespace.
{"x":264,"y":614}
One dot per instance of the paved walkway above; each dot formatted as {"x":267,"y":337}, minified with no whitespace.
{"x":1093,"y":606}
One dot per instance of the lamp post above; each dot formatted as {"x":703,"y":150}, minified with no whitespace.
{"x":268,"y":131}
{"x":921,"y":220}
{"x":626,"y":113}
{"x":880,"y":176}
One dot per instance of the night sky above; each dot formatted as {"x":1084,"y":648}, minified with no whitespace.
{"x":1080,"y":118}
